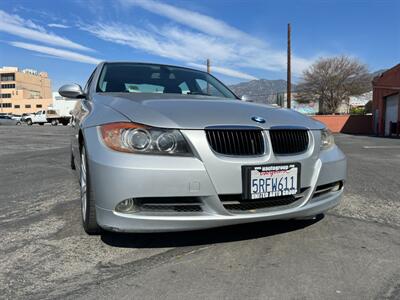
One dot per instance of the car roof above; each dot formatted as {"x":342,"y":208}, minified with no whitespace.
{"x":150,"y":63}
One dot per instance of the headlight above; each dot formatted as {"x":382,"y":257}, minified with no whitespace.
{"x":327,"y":139}
{"x":138,"y":138}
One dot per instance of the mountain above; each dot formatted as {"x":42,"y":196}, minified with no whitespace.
{"x":261,"y":90}
{"x":265,"y":91}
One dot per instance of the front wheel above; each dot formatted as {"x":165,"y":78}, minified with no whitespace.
{"x":88,"y":208}
{"x":29,"y":122}
{"x":72,"y":160}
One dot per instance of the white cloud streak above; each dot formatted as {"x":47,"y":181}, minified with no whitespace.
{"x":56,"y":25}
{"x":224,"y":71}
{"x":58,"y":53}
{"x":17,"y":26}
{"x":195,"y":20}
{"x":258,"y":53}
{"x":170,"y":42}
{"x":195,"y":37}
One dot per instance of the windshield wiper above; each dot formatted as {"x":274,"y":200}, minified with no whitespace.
{"x":199,"y":93}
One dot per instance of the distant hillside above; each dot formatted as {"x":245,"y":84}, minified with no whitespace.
{"x":262,"y":90}
{"x":265,"y":91}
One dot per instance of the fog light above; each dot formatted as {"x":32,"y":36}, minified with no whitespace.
{"x":337,"y":186}
{"x":126,"y":206}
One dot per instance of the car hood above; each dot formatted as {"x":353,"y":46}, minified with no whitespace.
{"x":197,"y":112}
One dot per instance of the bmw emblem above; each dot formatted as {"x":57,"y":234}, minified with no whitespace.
{"x":258,"y":119}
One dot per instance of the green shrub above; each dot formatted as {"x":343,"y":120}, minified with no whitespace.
{"x":357,"y":111}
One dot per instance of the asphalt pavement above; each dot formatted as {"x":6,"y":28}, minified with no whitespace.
{"x":351,"y":253}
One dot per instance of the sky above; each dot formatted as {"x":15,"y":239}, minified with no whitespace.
{"x":245,"y":39}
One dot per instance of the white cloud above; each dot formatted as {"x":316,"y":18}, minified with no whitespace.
{"x":224,"y":71}
{"x":15,"y":25}
{"x":185,"y":45}
{"x":195,"y":20}
{"x":167,"y":41}
{"x":58,"y":53}
{"x":258,"y":52}
{"x":56,"y":25}
{"x":194,"y":37}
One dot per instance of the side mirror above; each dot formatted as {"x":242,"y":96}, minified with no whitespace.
{"x":246,"y":98}
{"x":71,"y":91}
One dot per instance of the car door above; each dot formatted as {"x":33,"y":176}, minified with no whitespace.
{"x":37,"y":117}
{"x":43,"y":117}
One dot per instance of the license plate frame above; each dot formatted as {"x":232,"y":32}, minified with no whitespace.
{"x":246,"y":178}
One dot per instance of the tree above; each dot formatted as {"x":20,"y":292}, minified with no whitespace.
{"x":368,"y":107}
{"x":330,"y":81}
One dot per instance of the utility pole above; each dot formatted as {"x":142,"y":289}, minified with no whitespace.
{"x":289,"y":71}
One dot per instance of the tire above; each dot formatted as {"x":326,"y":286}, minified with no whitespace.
{"x":18,"y":123}
{"x":54,"y":122}
{"x":88,"y":209}
{"x":72,"y":162}
{"x":29,"y":122}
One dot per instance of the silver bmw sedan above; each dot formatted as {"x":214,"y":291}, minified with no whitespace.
{"x":166,"y":148}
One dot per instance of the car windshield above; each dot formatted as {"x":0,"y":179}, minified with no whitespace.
{"x":160,"y":79}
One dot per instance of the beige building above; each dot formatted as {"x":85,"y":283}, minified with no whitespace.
{"x":24,"y":91}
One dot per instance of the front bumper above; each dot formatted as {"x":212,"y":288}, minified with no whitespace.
{"x":118,"y":176}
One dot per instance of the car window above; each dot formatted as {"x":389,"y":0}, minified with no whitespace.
{"x":161,"y":79}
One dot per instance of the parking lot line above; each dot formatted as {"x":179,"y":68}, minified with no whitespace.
{"x":381,"y":147}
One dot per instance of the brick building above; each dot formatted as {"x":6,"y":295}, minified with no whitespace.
{"x":23,"y":91}
{"x":386,"y":102}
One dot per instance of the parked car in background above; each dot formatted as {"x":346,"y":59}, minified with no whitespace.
{"x":9,"y":120}
{"x":36,"y":118}
{"x":55,"y":117}
{"x":47,"y":116}
{"x":165,"y":148}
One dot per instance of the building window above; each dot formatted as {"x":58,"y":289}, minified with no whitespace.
{"x":34,"y":94}
{"x":8,"y":86}
{"x":38,"y":105}
{"x":8,"y":77}
{"x":27,"y":106}
{"x":6,"y":105}
{"x":5,"y":96}
{"x":16,"y":106}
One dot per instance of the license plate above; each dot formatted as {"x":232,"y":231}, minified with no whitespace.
{"x":268,"y":181}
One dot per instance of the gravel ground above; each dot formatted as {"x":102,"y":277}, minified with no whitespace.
{"x":352,"y":253}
